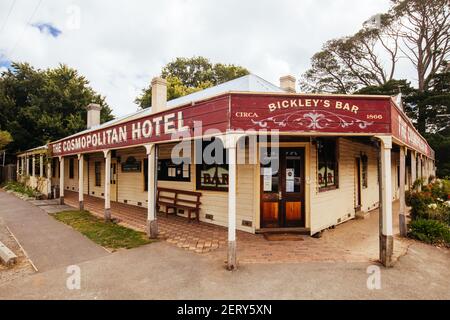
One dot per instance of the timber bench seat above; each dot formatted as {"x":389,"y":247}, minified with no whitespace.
{"x":172,"y":199}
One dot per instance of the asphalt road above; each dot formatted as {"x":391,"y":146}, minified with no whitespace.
{"x":162,"y":271}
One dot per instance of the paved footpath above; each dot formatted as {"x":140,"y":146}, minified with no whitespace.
{"x":48,"y":243}
{"x":162,"y":271}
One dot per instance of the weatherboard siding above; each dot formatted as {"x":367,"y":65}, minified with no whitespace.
{"x":332,"y":207}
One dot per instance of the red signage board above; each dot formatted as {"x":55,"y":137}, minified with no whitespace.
{"x":403,"y":130}
{"x":312,"y":114}
{"x":303,"y":113}
{"x":191,"y":120}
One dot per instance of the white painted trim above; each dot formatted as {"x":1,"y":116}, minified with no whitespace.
{"x":41,"y":165}
{"x":61,"y":176}
{"x":151,"y":191}
{"x":107,"y":192}
{"x":386,"y":185}
{"x":232,"y":190}
{"x":80,"y":177}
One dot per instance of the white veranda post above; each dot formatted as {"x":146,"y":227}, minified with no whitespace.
{"x":107,"y":154}
{"x":413,"y":168}
{"x":49,"y":178}
{"x":230,"y":142}
{"x":41,"y":165}
{"x":386,"y":236}
{"x":33,"y":166}
{"x":81,"y":182}
{"x":152,"y":225}
{"x":61,"y":180}
{"x":402,"y":211}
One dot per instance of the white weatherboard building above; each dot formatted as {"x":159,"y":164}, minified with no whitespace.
{"x":282,"y":160}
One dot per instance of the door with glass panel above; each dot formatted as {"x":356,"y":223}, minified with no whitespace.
{"x":282,"y":188}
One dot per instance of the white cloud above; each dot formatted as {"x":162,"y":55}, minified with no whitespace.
{"x":120,"y":45}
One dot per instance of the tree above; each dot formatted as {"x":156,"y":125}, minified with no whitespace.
{"x":440,"y":143}
{"x":187,"y":75}
{"x":346,"y":64}
{"x":425,"y":29}
{"x":5,"y":139}
{"x":327,"y":75}
{"x":37,"y":106}
{"x":425,"y":34}
{"x":390,"y":88}
{"x":429,"y":109}
{"x":417,"y":29}
{"x":435,"y":103}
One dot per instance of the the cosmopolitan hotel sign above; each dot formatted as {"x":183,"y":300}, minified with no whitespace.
{"x":127,"y":134}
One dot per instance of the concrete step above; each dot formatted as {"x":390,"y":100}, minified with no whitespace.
{"x":362,"y":215}
{"x":7,"y":257}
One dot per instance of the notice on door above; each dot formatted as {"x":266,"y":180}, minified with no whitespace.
{"x":267,"y":179}
{"x":289,"y":180}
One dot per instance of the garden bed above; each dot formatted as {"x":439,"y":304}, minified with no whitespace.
{"x":430,"y":212}
{"x":21,"y":190}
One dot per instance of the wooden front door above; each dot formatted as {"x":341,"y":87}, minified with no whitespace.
{"x":283,"y":188}
{"x":113,"y":181}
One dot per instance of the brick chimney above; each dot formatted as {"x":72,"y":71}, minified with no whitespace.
{"x":93,"y":115}
{"x":287,"y":83}
{"x":159,"y":94}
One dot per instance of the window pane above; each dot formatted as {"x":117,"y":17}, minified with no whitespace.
{"x":321,"y":175}
{"x":293,"y":173}
{"x":146,"y":174}
{"x":207,"y":174}
{"x":71,"y":168}
{"x":327,"y":163}
{"x":330,"y":175}
{"x":222,"y":175}
{"x":211,"y":175}
{"x":98,"y":178}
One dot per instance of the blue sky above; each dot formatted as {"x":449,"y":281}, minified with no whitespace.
{"x":47,"y":28}
{"x":5,"y":63}
{"x":120,"y":45}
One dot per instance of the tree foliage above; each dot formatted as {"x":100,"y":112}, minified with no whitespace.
{"x":430,"y":109}
{"x":440,"y":142}
{"x":37,"y":106}
{"x":425,"y":29}
{"x":414,"y":29}
{"x":366,"y":62}
{"x":434,"y":102}
{"x":188,"y":75}
{"x":5,"y":139}
{"x":347,"y":64}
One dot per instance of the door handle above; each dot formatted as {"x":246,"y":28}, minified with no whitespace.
{"x":280,"y":196}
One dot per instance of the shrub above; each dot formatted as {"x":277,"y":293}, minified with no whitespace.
{"x":408,"y":195}
{"x":431,"y":202}
{"x":438,"y":211}
{"x":430,"y":231}
{"x":416,"y":184}
{"x":20,"y":188}
{"x":438,"y":190}
{"x":419,"y":202}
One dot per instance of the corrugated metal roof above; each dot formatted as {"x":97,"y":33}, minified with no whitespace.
{"x":248,"y":83}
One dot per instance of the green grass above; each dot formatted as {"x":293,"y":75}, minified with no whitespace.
{"x":20,"y":188}
{"x":106,"y":234}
